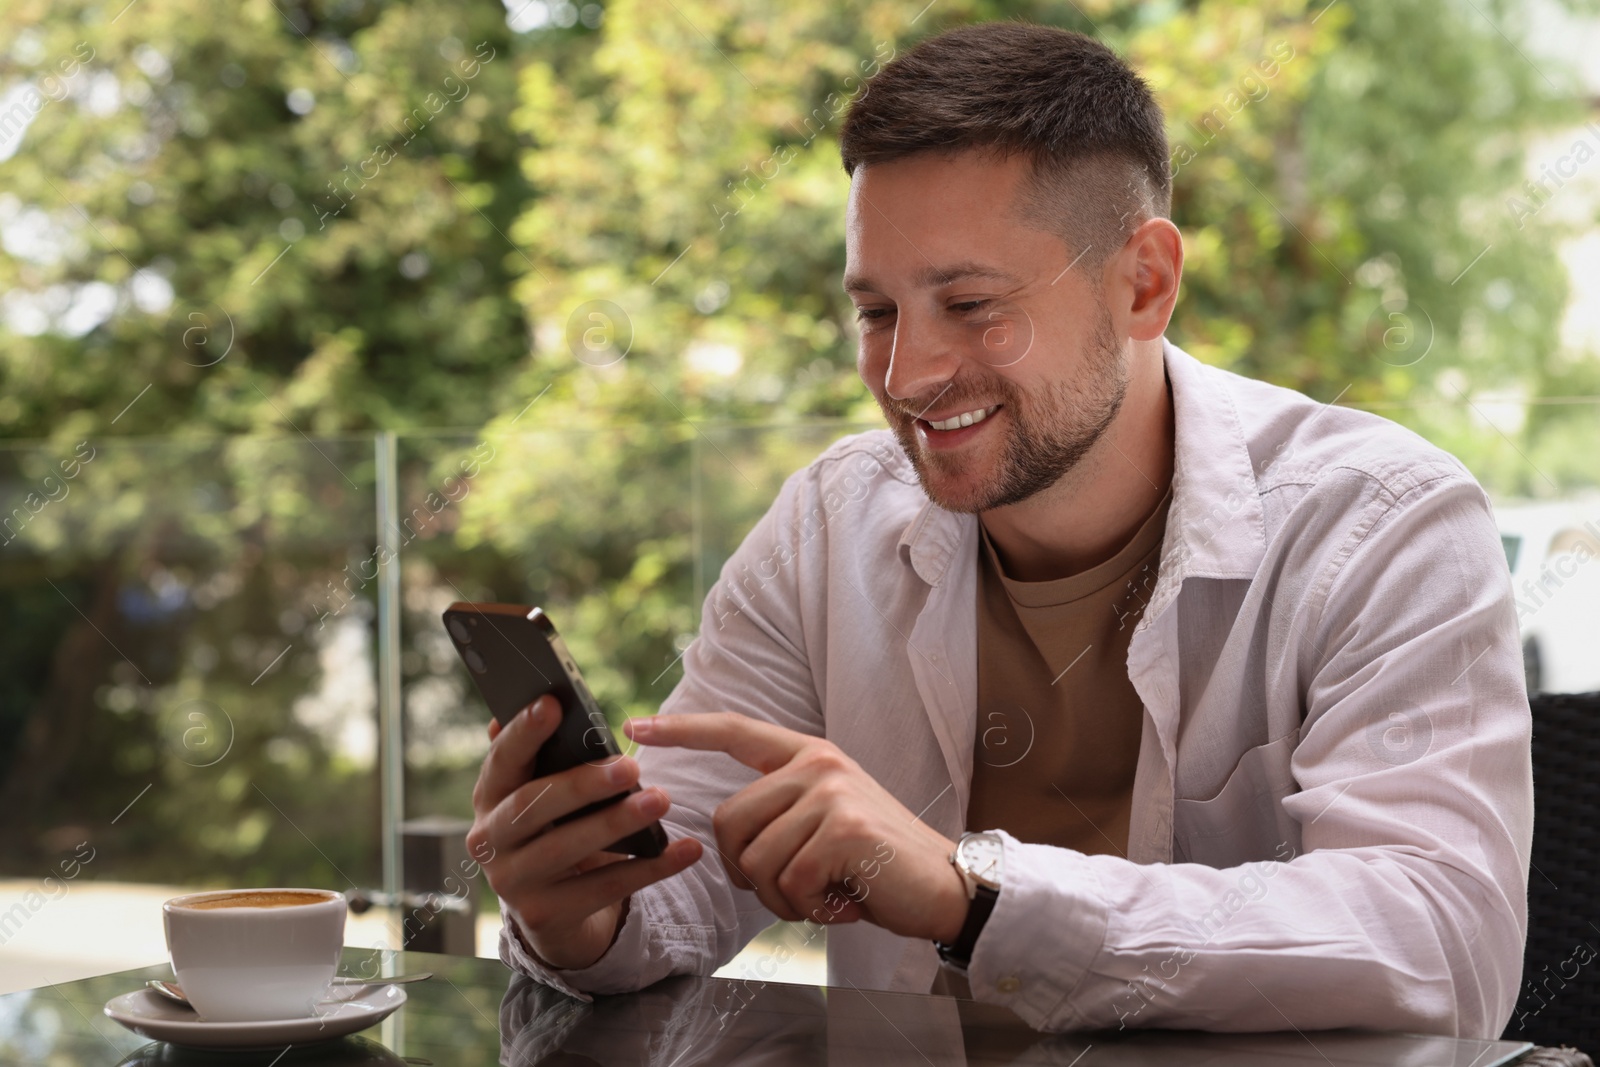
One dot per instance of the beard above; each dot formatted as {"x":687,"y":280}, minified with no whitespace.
{"x":1051,"y":429}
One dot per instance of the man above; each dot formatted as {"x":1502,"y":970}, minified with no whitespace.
{"x":1124,"y":690}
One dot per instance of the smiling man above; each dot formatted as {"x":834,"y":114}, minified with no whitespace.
{"x":1107,"y":686}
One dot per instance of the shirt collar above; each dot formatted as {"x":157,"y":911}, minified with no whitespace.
{"x":934,"y":540}
{"x":1215,"y":527}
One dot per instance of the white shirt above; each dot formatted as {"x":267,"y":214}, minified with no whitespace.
{"x":1333,"y":806}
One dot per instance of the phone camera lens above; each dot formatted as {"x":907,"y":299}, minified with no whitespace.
{"x":475,"y":661}
{"x":462,"y":634}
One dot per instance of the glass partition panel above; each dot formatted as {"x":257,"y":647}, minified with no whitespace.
{"x":187,"y":662}
{"x":190,"y":655}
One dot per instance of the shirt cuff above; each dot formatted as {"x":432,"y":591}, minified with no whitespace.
{"x":1046,"y":930}
{"x":602,"y":974}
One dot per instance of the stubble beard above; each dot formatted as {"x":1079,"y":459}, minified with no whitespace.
{"x":1050,"y":430}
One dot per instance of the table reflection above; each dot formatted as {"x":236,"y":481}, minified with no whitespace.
{"x":345,"y":1052}
{"x":697,"y":1022}
{"x":689,"y":1022}
{"x":474,"y":1012}
{"x":700,"y":1022}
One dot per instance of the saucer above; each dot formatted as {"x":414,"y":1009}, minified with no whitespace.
{"x":346,"y":1010}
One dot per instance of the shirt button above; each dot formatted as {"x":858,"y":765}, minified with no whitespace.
{"x":1008,"y":984}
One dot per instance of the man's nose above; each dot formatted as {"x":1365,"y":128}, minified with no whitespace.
{"x":924,"y":359}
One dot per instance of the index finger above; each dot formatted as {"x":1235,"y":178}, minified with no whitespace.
{"x":762,"y":746}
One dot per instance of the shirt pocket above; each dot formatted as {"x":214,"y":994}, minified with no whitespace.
{"x":1246,"y":821}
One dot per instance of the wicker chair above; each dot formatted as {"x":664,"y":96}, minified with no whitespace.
{"x":1560,"y":999}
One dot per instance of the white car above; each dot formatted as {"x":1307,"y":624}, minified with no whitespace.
{"x":1554,"y":552}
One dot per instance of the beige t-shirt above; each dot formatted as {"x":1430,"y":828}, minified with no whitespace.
{"x":1058,"y":721}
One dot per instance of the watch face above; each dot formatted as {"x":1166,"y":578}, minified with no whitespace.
{"x":982,"y":855}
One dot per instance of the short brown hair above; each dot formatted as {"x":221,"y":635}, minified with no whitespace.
{"x":1089,"y":124}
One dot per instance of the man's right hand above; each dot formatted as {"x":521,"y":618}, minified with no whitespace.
{"x":565,"y":894}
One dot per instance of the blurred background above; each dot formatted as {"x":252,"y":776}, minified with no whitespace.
{"x":317,"y":316}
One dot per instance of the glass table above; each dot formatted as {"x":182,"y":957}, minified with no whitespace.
{"x":476,"y":1012}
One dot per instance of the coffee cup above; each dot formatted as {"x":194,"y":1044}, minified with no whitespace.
{"x":248,"y":955}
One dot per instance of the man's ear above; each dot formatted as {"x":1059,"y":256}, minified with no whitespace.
{"x":1146,"y":275}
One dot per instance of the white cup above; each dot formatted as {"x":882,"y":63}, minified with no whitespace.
{"x":247,"y":955}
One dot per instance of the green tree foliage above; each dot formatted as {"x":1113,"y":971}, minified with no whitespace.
{"x":322,"y":189}
{"x":389,"y":305}
{"x":585,"y":259}
{"x":1341,"y":179}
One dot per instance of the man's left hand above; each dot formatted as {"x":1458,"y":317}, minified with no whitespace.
{"x":817,"y":837}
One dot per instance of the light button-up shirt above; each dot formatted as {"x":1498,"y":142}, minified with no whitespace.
{"x":1332,"y":810}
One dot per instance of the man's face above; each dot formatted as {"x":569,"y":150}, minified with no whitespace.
{"x":991,"y":352}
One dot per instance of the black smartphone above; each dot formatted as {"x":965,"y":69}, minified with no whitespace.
{"x":516,"y":656}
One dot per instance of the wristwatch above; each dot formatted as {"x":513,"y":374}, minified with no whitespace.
{"x":979,"y":859}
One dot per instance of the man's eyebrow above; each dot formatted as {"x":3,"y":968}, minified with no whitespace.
{"x":932,"y":276}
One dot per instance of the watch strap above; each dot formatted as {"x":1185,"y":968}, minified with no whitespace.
{"x":959,"y":952}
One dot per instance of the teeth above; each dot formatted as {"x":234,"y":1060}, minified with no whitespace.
{"x":966,"y":418}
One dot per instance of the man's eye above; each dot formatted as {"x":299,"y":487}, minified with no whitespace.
{"x":871,"y":314}
{"x":966,"y":307}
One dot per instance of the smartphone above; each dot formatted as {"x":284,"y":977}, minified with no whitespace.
{"x":516,"y":656}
